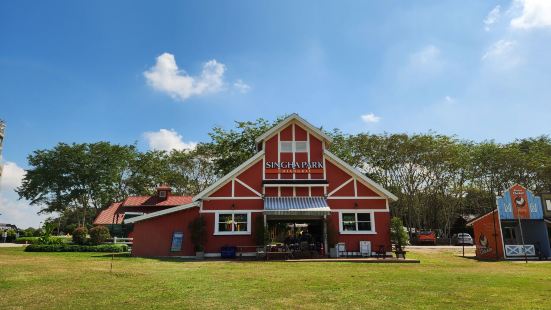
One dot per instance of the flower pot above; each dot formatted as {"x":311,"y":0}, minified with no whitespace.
{"x":200,"y":255}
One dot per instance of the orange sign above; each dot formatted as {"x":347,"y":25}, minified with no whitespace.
{"x":294,"y":167}
{"x":520,"y":202}
{"x":271,"y":171}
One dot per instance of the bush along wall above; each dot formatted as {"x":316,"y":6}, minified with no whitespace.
{"x":77,"y":248}
{"x":36,"y":240}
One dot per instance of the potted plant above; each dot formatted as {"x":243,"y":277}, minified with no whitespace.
{"x":331,"y":238}
{"x":261,"y":235}
{"x":198,"y":236}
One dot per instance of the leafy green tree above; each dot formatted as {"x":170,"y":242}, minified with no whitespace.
{"x":229,"y":148}
{"x":85,"y":177}
{"x":398,"y":235}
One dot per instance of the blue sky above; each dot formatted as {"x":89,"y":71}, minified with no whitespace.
{"x":162,"y":74}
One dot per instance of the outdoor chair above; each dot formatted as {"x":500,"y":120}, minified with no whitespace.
{"x":341,"y":249}
{"x":260,"y":252}
{"x":399,"y":251}
{"x":381,"y":252}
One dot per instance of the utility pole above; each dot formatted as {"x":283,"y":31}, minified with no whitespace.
{"x":2,"y":128}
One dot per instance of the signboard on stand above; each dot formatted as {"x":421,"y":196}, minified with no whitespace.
{"x":519,"y":203}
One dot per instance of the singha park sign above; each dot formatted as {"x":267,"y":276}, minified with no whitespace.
{"x":294,"y":167}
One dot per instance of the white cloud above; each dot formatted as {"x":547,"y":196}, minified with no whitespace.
{"x":165,"y":76}
{"x":167,"y":140}
{"x":449,"y":99}
{"x":11,"y":176}
{"x":370,"y":118}
{"x":535,"y":14}
{"x":500,"y":50}
{"x":426,"y":56}
{"x":241,"y":86}
{"x":13,"y":210}
{"x":492,"y":17}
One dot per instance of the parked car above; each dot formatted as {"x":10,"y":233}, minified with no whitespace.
{"x":462,"y":239}
{"x":426,"y":237}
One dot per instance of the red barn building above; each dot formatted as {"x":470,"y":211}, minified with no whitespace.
{"x":132,"y":206}
{"x":293,"y":178}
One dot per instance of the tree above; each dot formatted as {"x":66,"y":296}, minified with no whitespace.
{"x":398,"y":235}
{"x":84,"y":177}
{"x":229,"y":148}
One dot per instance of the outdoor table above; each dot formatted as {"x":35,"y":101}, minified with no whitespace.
{"x":243,"y":248}
{"x":278,"y":250}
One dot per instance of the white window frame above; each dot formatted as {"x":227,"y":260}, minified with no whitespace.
{"x":222,"y":233}
{"x":281,"y":147}
{"x":357,"y":232}
{"x":294,"y":147}
{"x":162,"y":194}
{"x":306,"y":150}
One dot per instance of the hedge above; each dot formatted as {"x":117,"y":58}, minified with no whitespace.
{"x":76,"y":248}
{"x":34,"y":240}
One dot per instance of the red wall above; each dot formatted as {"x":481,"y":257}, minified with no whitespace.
{"x":153,"y":237}
{"x":382,"y":227}
{"x":484,"y":228}
{"x":214,"y":243}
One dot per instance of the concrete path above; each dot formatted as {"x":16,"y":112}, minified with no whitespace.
{"x":11,"y":245}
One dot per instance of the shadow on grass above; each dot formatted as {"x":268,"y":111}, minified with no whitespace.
{"x":116,"y":255}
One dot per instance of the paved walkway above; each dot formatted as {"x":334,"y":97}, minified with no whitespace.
{"x":11,"y":245}
{"x":357,"y":260}
{"x":440,"y":247}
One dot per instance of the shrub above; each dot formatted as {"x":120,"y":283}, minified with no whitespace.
{"x":80,"y":235}
{"x":11,"y":235}
{"x":70,"y":228}
{"x":261,"y":235}
{"x":398,"y":234}
{"x":36,"y":240}
{"x":29,"y":232}
{"x":332,"y":237}
{"x":198,"y":233}
{"x":28,"y":240}
{"x":38,"y":232}
{"x":77,"y":248}
{"x":99,"y":234}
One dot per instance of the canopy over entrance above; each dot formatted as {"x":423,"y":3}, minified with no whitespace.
{"x":296,"y":206}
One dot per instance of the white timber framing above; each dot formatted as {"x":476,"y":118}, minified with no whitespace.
{"x":247,"y":187}
{"x":340,"y":186}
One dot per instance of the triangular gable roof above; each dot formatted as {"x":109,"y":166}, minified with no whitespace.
{"x":287,"y":121}
{"x":161,"y":212}
{"x":476,"y":219}
{"x":516,"y":184}
{"x":227,"y":177}
{"x":110,"y":215}
{"x":375,"y":186}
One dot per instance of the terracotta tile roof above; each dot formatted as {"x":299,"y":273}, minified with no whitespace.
{"x":110,"y":215}
{"x":142,"y":201}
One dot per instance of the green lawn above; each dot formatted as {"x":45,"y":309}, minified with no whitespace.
{"x":441,"y":281}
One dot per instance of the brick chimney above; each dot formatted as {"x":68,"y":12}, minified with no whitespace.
{"x":163,"y":191}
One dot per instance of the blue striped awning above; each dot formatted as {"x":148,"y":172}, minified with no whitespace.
{"x":296,"y":206}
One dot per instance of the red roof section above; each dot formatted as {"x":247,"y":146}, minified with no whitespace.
{"x":110,"y":215}
{"x":143,"y":201}
{"x":114,"y":214}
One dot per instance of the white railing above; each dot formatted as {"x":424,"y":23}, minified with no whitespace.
{"x":117,"y":240}
{"x":520,"y":250}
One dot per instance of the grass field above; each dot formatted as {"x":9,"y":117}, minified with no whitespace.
{"x":442,"y":281}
